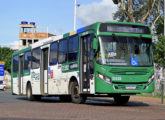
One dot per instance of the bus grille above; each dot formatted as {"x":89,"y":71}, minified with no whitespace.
{"x":123,"y":87}
{"x":129,"y":71}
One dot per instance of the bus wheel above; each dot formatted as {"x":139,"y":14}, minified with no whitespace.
{"x":121,"y":100}
{"x":29,"y":93}
{"x":76,"y":97}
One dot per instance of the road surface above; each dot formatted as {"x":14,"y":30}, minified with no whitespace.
{"x":19,"y":108}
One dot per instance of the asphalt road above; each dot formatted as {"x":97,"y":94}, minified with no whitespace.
{"x":19,"y":108}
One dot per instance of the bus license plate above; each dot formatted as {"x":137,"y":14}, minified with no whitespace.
{"x":131,"y":87}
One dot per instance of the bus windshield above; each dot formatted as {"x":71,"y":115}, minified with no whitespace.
{"x":125,"y":51}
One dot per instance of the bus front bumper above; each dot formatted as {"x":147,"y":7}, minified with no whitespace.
{"x":103,"y":87}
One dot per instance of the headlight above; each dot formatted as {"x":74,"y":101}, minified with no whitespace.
{"x":151,"y":79}
{"x":105,"y":78}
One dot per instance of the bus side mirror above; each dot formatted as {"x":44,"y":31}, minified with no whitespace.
{"x":95,"y":44}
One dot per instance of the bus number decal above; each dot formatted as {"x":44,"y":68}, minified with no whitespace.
{"x":116,"y":78}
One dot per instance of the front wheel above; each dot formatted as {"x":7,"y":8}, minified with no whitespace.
{"x":121,"y":100}
{"x":75,"y":95}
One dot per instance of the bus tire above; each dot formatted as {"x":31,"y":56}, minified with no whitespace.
{"x":29,"y":93}
{"x":75,"y":95}
{"x":121,"y":100}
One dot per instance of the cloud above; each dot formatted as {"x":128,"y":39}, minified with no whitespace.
{"x":12,"y":45}
{"x":96,"y":12}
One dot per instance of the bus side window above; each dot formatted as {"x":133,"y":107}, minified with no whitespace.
{"x":15,"y":64}
{"x":27,"y":60}
{"x":53,"y":53}
{"x":73,"y":48}
{"x":36,"y":58}
{"x":62,"y":56}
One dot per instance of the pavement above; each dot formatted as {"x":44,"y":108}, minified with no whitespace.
{"x":14,"y":107}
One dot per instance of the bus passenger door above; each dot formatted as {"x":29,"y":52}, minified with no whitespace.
{"x":20,"y":74}
{"x":86,"y":63}
{"x":44,"y":70}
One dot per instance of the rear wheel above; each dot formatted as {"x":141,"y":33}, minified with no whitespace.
{"x":29,"y":93}
{"x":121,"y":100}
{"x":75,"y":95}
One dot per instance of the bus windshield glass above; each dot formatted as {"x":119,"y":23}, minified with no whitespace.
{"x":125,"y":51}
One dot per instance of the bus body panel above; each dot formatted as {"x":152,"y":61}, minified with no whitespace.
{"x":122,"y":79}
{"x":15,"y":85}
{"x":52,"y":79}
{"x":58,"y":82}
{"x":35,"y":81}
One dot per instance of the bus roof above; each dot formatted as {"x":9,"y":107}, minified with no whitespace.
{"x":22,"y":51}
{"x":93,"y":26}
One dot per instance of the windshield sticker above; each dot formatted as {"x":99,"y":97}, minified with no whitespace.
{"x":115,"y":61}
{"x":112,"y":54}
{"x":118,"y":64}
{"x":134,"y":61}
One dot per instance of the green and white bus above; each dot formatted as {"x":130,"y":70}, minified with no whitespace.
{"x":111,"y":59}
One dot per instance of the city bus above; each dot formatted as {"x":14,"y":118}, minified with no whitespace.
{"x":112,"y":59}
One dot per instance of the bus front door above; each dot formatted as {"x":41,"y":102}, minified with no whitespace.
{"x":20,"y":74}
{"x":86,"y":63}
{"x":44,"y":71}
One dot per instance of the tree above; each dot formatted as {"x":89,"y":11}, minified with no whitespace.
{"x":142,"y":11}
{"x":159,"y":51}
{"x":6,"y":56}
{"x":160,"y":26}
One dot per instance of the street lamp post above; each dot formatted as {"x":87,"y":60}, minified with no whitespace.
{"x":75,"y":14}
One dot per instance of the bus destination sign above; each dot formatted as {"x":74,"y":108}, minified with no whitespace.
{"x":124,"y":28}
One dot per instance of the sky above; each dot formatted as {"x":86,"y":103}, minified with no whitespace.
{"x":57,"y":15}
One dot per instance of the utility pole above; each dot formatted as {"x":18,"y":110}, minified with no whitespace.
{"x":75,"y":14}
{"x":163,"y":81}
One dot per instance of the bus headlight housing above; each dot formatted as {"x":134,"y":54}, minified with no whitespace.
{"x":151,"y":79}
{"x":105,"y":78}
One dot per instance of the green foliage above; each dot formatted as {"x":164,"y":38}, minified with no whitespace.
{"x":6,"y":56}
{"x":160,"y":26}
{"x":140,"y":8}
{"x":159,"y":51}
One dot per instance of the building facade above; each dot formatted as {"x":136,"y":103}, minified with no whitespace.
{"x":28,"y":34}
